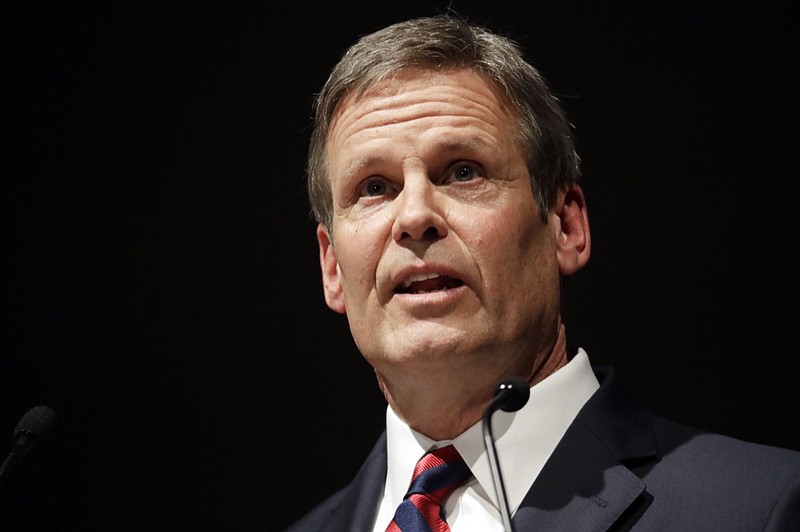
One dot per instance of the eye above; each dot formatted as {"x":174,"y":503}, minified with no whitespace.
{"x":463,"y":172}
{"x":374,"y":186}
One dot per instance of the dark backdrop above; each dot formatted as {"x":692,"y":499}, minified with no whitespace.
{"x":160,"y":274}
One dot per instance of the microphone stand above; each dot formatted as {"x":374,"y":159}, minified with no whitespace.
{"x":511,"y":395}
{"x":494,"y":464}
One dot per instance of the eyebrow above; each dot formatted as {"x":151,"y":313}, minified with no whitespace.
{"x":446,"y":145}
{"x":354,"y":166}
{"x":472,"y":143}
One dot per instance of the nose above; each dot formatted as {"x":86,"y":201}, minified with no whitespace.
{"x":419,"y":213}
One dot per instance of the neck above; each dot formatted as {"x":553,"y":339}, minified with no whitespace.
{"x":442,"y":405}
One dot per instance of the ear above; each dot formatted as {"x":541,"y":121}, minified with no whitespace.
{"x":331,"y":276}
{"x":573,"y":241}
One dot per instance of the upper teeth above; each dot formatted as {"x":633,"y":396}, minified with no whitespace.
{"x":420,"y":277}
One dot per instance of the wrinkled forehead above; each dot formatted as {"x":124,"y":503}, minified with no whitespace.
{"x":395,"y":83}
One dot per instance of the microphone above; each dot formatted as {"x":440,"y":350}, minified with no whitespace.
{"x":37,"y":425}
{"x":510,"y":395}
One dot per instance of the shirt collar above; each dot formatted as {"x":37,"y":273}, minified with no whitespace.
{"x":525,"y":439}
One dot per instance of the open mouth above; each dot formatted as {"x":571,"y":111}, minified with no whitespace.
{"x":430,"y":282}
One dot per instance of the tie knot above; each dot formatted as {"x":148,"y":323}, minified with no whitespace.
{"x":438,"y":473}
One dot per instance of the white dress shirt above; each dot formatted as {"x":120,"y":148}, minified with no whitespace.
{"x":525,"y":440}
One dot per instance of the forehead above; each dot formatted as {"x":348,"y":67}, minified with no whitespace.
{"x":420,"y":97}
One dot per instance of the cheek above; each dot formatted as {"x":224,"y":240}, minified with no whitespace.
{"x":523,"y":256}
{"x":359,"y":255}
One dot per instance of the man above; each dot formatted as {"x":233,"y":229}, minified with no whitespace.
{"x":446,"y":187}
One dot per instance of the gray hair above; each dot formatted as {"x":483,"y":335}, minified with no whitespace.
{"x":445,"y":42}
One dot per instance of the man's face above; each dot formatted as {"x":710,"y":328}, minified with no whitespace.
{"x":439,"y":255}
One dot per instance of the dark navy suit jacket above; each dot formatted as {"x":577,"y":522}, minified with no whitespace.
{"x":620,"y":468}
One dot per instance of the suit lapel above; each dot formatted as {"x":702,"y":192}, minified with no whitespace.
{"x":357,"y":510}
{"x":585,"y":485}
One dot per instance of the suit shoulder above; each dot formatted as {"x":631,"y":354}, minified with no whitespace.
{"x":319,"y":515}
{"x":708,"y":481}
{"x":714,"y":461}
{"x":676,"y":438}
{"x":352,"y":507}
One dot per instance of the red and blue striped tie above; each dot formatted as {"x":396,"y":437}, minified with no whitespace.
{"x":436,"y":475}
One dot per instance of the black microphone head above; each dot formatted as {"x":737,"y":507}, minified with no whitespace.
{"x":512,"y":394}
{"x":39,"y":422}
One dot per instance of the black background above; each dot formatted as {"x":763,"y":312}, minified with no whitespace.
{"x":159,"y":267}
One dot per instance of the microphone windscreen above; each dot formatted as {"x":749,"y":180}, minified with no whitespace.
{"x":515,"y":392}
{"x":39,"y":421}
